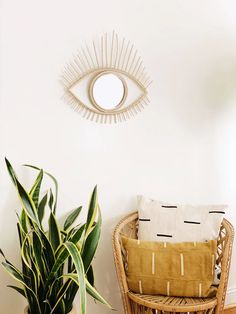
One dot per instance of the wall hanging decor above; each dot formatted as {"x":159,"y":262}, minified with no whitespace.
{"x":106,"y":81}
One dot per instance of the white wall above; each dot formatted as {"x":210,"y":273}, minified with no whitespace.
{"x":182,"y":147}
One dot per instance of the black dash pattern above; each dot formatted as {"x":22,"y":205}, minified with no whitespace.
{"x":164,"y":235}
{"x":192,"y":222}
{"x":169,"y":206}
{"x":144,"y":219}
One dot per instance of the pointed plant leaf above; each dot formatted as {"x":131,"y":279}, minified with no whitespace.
{"x":90,"y":276}
{"x":41,"y":207}
{"x":91,"y":243}
{"x":15,"y":273}
{"x":92,"y":211}
{"x":77,"y":260}
{"x":89,"y":288}
{"x":77,"y":234}
{"x":54,"y":181}
{"x":25,"y":251}
{"x":58,"y":263}
{"x":51,"y":199}
{"x":94,"y":293}
{"x":72,"y":231}
{"x":11,"y":171}
{"x":6,"y":260}
{"x":20,"y":233}
{"x":72,"y":292}
{"x":62,"y":254}
{"x":23,"y":221}
{"x":35,"y":190}
{"x":19,"y":290}
{"x":1,"y":252}
{"x":38,"y":255}
{"x":47,"y":251}
{"x":54,"y":232}
{"x":74,"y":287}
{"x":27,"y":203}
{"x":30,"y":276}
{"x":61,"y":294}
{"x":70,"y":250}
{"x":72,"y":217}
{"x":25,"y":198}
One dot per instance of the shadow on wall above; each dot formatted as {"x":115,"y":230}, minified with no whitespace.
{"x":203,"y":82}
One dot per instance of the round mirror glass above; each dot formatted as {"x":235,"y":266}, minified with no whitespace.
{"x":108,"y":91}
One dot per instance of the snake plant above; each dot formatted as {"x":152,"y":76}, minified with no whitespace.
{"x":56,"y":260}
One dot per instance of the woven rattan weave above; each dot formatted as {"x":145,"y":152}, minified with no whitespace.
{"x":149,"y":304}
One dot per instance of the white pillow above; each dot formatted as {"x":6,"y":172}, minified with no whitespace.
{"x":165,"y":222}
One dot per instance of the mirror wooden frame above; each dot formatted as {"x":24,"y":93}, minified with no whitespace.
{"x":91,"y":91}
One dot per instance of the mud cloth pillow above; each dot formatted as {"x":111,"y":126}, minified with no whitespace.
{"x":165,"y":222}
{"x":172,"y":269}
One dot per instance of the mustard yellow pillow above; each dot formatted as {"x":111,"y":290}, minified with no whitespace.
{"x":173,"y":269}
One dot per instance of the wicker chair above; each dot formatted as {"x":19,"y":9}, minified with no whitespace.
{"x":135,"y":303}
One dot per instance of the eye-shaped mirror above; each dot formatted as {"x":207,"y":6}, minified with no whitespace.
{"x":107,"y":91}
{"x":106,"y":81}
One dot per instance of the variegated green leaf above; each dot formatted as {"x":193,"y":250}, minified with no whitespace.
{"x":62,"y":254}
{"x":89,"y":288}
{"x":19,"y":290}
{"x":35,"y":190}
{"x":24,"y":197}
{"x":54,"y":181}
{"x":61,"y":294}
{"x":77,"y":260}
{"x":38,"y":255}
{"x":11,"y":171}
{"x":90,"y":275}
{"x":72,"y":217}
{"x":51,"y":200}
{"x":41,"y":207}
{"x":23,"y":221}
{"x":27,"y":203}
{"x":91,"y":243}
{"x":92,"y":211}
{"x":49,"y":257}
{"x":54,"y":232}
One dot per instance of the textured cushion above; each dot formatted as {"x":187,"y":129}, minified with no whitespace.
{"x":164,"y":222}
{"x":173,"y":269}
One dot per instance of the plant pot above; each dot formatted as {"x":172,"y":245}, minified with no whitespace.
{"x":73,"y":311}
